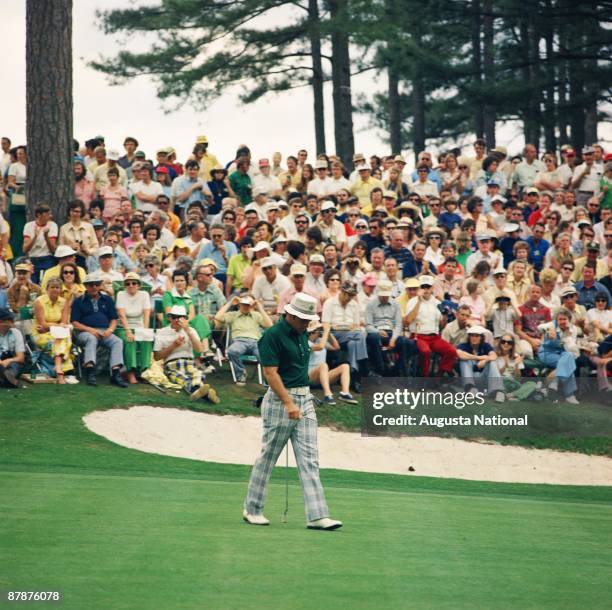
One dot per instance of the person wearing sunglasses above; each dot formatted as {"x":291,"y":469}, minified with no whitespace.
{"x":510,"y":364}
{"x":94,"y":318}
{"x":175,"y":344}
{"x":134,"y":311}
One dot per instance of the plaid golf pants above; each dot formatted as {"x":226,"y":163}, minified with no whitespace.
{"x":278,"y":429}
{"x":183,"y":372}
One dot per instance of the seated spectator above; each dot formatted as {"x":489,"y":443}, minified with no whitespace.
{"x":519,"y":282}
{"x":219,"y":250}
{"x":510,"y":364}
{"x":12,"y":350}
{"x":559,"y":351}
{"x":447,"y":286}
{"x":270,"y":285}
{"x":175,"y":344}
{"x":51,"y":309}
{"x":63,"y":254}
{"x":94,"y":317}
{"x":314,"y":282}
{"x":318,"y":369}
{"x":206,"y":296}
{"x":180,"y":295}
{"x":245,"y":327}
{"x":477,"y":363}
{"x":422,"y":311}
{"x":340,"y":317}
{"x":532,"y":314}
{"x":502,"y":314}
{"x":297,"y":277}
{"x":383,"y":325}
{"x":587,"y":288}
{"x":134,"y":311}
{"x":22,"y":292}
{"x":600,"y":317}
{"x":237,"y":267}
{"x":455,"y":332}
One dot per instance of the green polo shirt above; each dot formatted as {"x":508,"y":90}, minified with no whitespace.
{"x":241,"y":185}
{"x":282,"y":347}
{"x":236,"y":268}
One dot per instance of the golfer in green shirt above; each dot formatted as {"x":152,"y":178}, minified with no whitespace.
{"x":288,"y":414}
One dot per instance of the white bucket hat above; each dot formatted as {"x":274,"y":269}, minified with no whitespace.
{"x":303,"y":306}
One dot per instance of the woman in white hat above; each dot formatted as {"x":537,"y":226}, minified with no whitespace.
{"x":134,"y":310}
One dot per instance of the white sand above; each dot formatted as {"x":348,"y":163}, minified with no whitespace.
{"x":236,"y":440}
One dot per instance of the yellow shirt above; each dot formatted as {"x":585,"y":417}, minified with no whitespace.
{"x":362,"y":189}
{"x":579,"y":263}
{"x":520,"y":288}
{"x":247,"y":326}
{"x":52,"y":312}
{"x":55,"y":272}
{"x":207,"y":162}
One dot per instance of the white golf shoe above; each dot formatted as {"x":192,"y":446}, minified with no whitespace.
{"x":254,"y":519}
{"x":324,"y":524}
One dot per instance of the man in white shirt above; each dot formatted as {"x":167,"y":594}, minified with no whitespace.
{"x":321,"y":186}
{"x":144,"y":189}
{"x":423,"y":310}
{"x":337,"y":179}
{"x":196,"y":239}
{"x":565,"y":171}
{"x":40,"y":240}
{"x":527,"y":171}
{"x":265,"y":182}
{"x":269,"y":286}
{"x":340,"y":316}
{"x":332,"y":229}
{"x":314,"y":278}
{"x":587,"y":177}
{"x":101,"y":173}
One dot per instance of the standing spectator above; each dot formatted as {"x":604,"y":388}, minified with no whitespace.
{"x":144,"y":189}
{"x":84,"y":188}
{"x":423,"y":312}
{"x":220,"y":188}
{"x":78,"y":233}
{"x":113,"y":194}
{"x":240,"y":181}
{"x":40,"y":240}
{"x":586,"y":179}
{"x":527,"y":171}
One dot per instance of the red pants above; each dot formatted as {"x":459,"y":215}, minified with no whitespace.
{"x":426,"y":344}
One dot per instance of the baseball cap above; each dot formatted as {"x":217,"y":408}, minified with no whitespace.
{"x":105,"y":251}
{"x":267,"y":261}
{"x":317,"y":258}
{"x":426,"y":280}
{"x":411,"y":282}
{"x":476,"y":330}
{"x":385,"y":288}
{"x":321,"y":164}
{"x":261,"y":245}
{"x":369,"y":280}
{"x":328,"y":205}
{"x":511,"y":227}
{"x":113,"y":155}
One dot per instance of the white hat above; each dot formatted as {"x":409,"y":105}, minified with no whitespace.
{"x":297,"y":269}
{"x":390,"y":194}
{"x":303,"y":306}
{"x":314,"y":325}
{"x":113,"y":155}
{"x":267,"y":261}
{"x":385,"y":288}
{"x":482,"y":236}
{"x":321,"y":164}
{"x":62,"y":251}
{"x":282,"y":203}
{"x":317,"y":258}
{"x":511,"y":227}
{"x":328,"y":205}
{"x":279,"y":239}
{"x":499,"y":271}
{"x":177,"y":310}
{"x":90,"y":278}
{"x":104,"y":251}
{"x":476,"y":330}
{"x":426,"y":280}
{"x":245,"y":300}
{"x":261,"y":245}
{"x":252,"y":207}
{"x":272,"y":205}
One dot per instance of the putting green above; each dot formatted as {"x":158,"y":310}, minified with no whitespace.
{"x":115,"y":528}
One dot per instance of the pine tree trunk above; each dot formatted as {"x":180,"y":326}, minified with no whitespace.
{"x":317,"y":75}
{"x":576,"y":84}
{"x":477,"y":65}
{"x":562,"y":91}
{"x":395,"y":118}
{"x":489,"y":72}
{"x":341,"y":82}
{"x":535,"y":97}
{"x":49,"y":104}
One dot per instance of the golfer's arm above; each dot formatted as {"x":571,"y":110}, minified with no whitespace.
{"x":276,"y":384}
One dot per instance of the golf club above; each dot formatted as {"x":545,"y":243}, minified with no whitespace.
{"x":284,"y":518}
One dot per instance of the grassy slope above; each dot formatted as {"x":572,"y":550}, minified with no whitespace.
{"x":115,"y":528}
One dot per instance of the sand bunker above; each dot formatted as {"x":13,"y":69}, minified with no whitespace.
{"x":236,"y":440}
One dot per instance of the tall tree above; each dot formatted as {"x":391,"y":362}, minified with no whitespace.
{"x":479,"y":109}
{"x":318,"y":76}
{"x":49,"y":104}
{"x":341,"y":80}
{"x":488,"y":33}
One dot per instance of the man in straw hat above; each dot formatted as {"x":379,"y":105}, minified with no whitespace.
{"x":288,"y":413}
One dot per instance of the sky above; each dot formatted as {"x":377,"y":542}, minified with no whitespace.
{"x":274,"y":123}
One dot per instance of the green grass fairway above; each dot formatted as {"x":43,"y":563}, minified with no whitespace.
{"x":113,"y":528}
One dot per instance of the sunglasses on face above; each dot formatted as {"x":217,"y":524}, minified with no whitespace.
{"x":507,"y":342}
{"x":67,"y":272}
{"x":150,"y":265}
{"x":171,"y":317}
{"x":434,"y":237}
{"x":568,"y":269}
{"x":334,"y":279}
{"x":301,"y":222}
{"x":131,"y":283}
{"x":94,"y":284}
{"x":601,"y":300}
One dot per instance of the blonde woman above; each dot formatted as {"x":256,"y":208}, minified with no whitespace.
{"x":51,"y":309}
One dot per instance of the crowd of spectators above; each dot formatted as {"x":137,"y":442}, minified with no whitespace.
{"x":478,"y":264}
